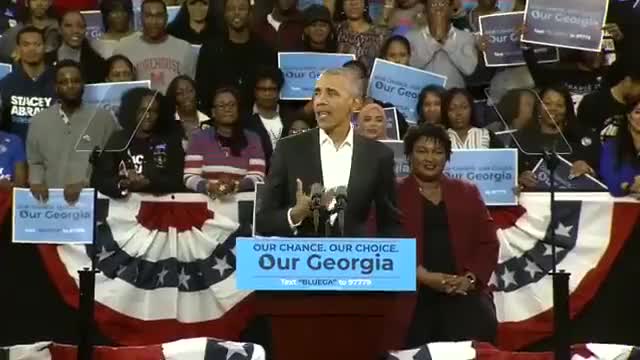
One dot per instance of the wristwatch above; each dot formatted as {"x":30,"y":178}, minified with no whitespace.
{"x":471,"y":278}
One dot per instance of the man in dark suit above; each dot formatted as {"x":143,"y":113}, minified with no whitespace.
{"x":332,"y":155}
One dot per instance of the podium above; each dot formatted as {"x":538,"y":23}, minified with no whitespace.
{"x":331,"y":325}
{"x":330,"y":298}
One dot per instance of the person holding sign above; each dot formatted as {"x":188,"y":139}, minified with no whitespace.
{"x":330,"y":157}
{"x":619,"y":164}
{"x":456,"y":243}
{"x":441,"y":48}
{"x":556,"y":127}
{"x":153,"y":161}
{"x":58,"y":132}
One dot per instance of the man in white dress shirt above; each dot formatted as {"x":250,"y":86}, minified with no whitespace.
{"x":331,"y":155}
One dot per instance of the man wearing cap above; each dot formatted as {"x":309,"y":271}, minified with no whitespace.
{"x":282,"y":28}
{"x":319,"y":34}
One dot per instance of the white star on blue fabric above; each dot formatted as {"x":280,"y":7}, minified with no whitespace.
{"x":104,"y":254}
{"x":121,"y":269}
{"x":563,"y":230}
{"x":221,"y":265}
{"x":234,"y":348}
{"x":183,"y":279}
{"x":508,"y":277}
{"x":161,"y":276}
{"x":532,"y":269}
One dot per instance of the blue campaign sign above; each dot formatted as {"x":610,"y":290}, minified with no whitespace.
{"x":562,"y":179}
{"x":400,"y":85}
{"x":493,"y":171}
{"x":55,"y":222}
{"x":302,"y":69}
{"x":108,"y":95}
{"x":94,"y":23}
{"x":5,"y":69}
{"x":401,"y":163}
{"x":336,"y":264}
{"x":574,"y":24}
{"x":504,"y":43}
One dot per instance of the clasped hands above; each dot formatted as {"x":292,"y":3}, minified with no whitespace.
{"x":449,"y":284}
{"x":133,"y":181}
{"x":222,"y":188}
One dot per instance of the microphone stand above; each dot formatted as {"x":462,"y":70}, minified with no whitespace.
{"x":561,"y":318}
{"x":87,"y":277}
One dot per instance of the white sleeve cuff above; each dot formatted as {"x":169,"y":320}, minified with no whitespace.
{"x":291,"y":224}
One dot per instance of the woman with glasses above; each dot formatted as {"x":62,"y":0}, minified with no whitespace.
{"x":224,"y":158}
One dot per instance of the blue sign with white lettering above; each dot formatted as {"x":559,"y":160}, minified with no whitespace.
{"x":55,"y":222}
{"x":108,"y":95}
{"x":342,"y":264}
{"x":493,"y":171}
{"x":95,"y":28}
{"x":574,"y":24}
{"x":302,"y":69}
{"x":400,"y":85}
{"x":563,"y":181}
{"x":504,"y":43}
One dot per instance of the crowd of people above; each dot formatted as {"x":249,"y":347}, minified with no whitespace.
{"x":212,"y":118}
{"x":580,"y":102}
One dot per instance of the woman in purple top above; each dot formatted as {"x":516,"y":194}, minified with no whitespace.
{"x":619,"y":162}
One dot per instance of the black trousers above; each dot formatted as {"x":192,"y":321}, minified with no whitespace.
{"x":441,"y":317}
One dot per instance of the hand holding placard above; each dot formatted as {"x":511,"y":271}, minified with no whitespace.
{"x":40,"y":192}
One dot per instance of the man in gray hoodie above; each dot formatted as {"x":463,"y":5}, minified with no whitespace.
{"x":441,"y":48}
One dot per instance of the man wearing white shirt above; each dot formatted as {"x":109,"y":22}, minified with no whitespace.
{"x":331,"y":155}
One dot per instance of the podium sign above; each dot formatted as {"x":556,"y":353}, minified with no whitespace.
{"x":326,"y":264}
{"x":55,"y":222}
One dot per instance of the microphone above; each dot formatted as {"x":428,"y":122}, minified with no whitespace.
{"x":341,"y":205}
{"x":317,"y":190}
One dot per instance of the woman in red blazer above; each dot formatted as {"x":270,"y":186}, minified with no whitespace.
{"x":456,"y":243}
